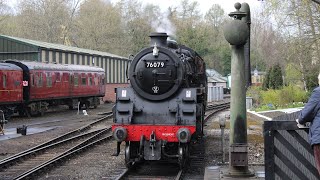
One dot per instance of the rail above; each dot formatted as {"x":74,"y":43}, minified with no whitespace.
{"x":37,"y":153}
{"x":67,"y":154}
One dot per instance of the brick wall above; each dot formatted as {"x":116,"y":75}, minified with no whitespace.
{"x":110,"y":89}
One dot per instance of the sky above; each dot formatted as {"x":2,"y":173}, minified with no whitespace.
{"x":227,"y":5}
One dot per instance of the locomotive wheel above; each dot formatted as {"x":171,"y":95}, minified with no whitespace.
{"x":131,"y":153}
{"x":183,"y":152}
{"x":127,"y":154}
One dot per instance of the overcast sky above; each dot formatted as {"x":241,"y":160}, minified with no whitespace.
{"x":227,"y":5}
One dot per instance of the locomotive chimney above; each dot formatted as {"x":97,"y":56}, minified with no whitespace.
{"x":159,"y":38}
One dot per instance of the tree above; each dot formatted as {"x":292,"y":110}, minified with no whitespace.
{"x":7,"y":19}
{"x":292,"y":75}
{"x":42,"y":20}
{"x":277,"y":77}
{"x":298,"y":24}
{"x":98,"y":27}
{"x":265,"y":84}
{"x":273,"y":79}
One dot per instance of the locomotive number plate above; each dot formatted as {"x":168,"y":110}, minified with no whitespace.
{"x":155,"y":64}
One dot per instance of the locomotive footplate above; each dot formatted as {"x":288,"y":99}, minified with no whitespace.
{"x":152,"y":148}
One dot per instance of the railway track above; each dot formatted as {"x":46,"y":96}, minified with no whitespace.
{"x":194,"y":170}
{"x":212,"y":109}
{"x":28,"y":163}
{"x":159,"y":171}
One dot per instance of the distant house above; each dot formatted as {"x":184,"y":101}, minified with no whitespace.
{"x":257,"y":77}
{"x":215,"y":78}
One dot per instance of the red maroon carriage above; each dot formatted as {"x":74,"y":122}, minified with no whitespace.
{"x":10,"y":87}
{"x":47,"y":84}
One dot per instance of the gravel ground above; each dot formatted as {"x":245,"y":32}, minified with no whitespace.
{"x":98,"y":162}
{"x":60,"y":119}
{"x":213,"y":141}
{"x":94,"y":164}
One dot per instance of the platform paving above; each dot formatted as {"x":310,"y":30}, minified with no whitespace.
{"x":10,"y":133}
{"x":219,"y":172}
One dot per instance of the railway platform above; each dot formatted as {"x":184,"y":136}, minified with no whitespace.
{"x":10,"y":133}
{"x":219,"y":172}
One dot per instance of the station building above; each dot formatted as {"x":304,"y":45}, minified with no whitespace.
{"x":25,"y":49}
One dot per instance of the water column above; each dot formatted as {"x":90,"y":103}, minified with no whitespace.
{"x":236,"y":33}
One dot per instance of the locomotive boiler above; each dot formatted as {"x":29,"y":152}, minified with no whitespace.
{"x":162,"y":110}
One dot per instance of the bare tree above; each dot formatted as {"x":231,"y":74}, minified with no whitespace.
{"x":43,"y":20}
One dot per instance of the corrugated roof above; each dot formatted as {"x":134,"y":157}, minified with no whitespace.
{"x":217,"y":79}
{"x":62,"y":47}
{"x":62,"y":67}
{"x":212,"y":72}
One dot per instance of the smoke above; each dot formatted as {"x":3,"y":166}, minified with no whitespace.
{"x":165,"y":25}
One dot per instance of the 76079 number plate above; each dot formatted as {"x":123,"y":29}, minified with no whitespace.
{"x":155,"y":64}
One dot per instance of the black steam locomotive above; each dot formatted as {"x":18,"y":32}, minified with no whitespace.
{"x":163,"y":109}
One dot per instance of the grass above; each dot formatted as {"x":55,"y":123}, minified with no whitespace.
{"x":267,"y":107}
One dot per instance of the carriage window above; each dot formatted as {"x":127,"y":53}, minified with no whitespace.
{"x":83,"y":81}
{"x":4,"y":80}
{"x":96,"y":80}
{"x":90,"y":81}
{"x":58,"y":77}
{"x":39,"y":79}
{"x":65,"y":77}
{"x":49,"y":79}
{"x":76,"y":80}
{"x":32,"y":79}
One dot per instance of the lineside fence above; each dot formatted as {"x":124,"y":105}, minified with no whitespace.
{"x":288,"y":154}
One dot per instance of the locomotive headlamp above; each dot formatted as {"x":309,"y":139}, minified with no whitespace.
{"x":155,"y":51}
{"x":120,"y":134}
{"x":183,"y":135}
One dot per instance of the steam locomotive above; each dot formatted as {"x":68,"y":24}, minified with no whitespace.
{"x":162,"y":110}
